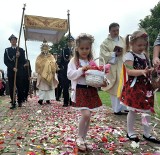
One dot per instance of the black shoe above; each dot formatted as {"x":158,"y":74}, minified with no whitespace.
{"x":70,"y":102}
{"x":12,"y":102}
{"x":127,"y":111}
{"x":13,"y":106}
{"x":120,"y":113}
{"x":151,"y":139}
{"x":57,"y":99}
{"x":65,"y":105}
{"x":48,"y":102}
{"x":133,"y":138}
{"x":20,"y":104}
{"x":40,"y":102}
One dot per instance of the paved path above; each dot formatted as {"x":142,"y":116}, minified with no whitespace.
{"x":51,"y":130}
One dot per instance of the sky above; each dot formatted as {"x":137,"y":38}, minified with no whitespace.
{"x":86,"y":16}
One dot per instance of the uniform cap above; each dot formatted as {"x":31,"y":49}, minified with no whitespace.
{"x":12,"y":36}
{"x":70,"y":38}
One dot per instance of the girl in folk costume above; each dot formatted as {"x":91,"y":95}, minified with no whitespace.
{"x":46,"y":70}
{"x":137,"y":93}
{"x":83,"y":97}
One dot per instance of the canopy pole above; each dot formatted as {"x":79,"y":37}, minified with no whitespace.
{"x":25,"y":42}
{"x":69,"y":33}
{"x":16,"y":63}
{"x":28,"y":64}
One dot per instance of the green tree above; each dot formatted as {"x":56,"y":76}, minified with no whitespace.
{"x":151,"y":24}
{"x":58,"y":47}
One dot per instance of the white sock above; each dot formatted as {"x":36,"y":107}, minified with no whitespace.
{"x":147,"y":129}
{"x":81,"y":127}
{"x":86,"y":128}
{"x":84,"y":123}
{"x":130,"y":122}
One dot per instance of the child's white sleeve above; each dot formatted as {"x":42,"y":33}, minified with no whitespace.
{"x":73,"y":73}
{"x":0,"y":75}
{"x":128,"y":56}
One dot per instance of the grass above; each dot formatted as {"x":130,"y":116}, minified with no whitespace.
{"x":105,"y":97}
{"x":157,"y":104}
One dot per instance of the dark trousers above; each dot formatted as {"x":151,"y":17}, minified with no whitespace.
{"x":7,"y":88}
{"x":65,"y":87}
{"x":19,"y":87}
{"x":58,"y":90}
{"x":26,"y":87}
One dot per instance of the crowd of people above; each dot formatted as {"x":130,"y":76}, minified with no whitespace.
{"x":67,"y":71}
{"x":49,"y":79}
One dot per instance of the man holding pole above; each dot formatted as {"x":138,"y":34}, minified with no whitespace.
{"x":10,"y":56}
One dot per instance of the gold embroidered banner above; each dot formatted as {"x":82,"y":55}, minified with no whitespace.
{"x":45,"y":23}
{"x":40,"y":28}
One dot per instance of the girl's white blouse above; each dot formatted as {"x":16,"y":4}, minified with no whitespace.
{"x":76,"y":76}
{"x":129,"y":56}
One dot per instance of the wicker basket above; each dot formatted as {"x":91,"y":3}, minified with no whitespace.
{"x":95,"y":78}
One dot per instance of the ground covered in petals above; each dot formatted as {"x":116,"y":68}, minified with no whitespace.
{"x":51,"y":129}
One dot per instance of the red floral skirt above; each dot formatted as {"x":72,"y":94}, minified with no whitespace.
{"x":87,"y":96}
{"x":140,"y":96}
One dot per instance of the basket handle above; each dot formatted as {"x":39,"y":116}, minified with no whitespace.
{"x":103,"y":63}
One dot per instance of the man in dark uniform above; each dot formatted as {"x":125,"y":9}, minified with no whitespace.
{"x":27,"y":75}
{"x":63,"y":65}
{"x":10,"y":55}
{"x":58,"y":90}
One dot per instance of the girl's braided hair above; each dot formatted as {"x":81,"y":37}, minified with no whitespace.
{"x":133,"y":37}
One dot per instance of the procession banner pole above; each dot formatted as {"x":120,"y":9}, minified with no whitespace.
{"x":28,"y":64}
{"x":16,"y":63}
{"x":69,"y":33}
{"x":25,"y":42}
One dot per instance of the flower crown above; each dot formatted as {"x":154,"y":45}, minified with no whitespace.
{"x":139,"y":35}
{"x":85,"y":36}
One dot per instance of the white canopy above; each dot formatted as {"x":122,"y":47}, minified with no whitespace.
{"x":39,"y":28}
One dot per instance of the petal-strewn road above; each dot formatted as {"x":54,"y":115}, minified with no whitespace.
{"x":51,"y":130}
